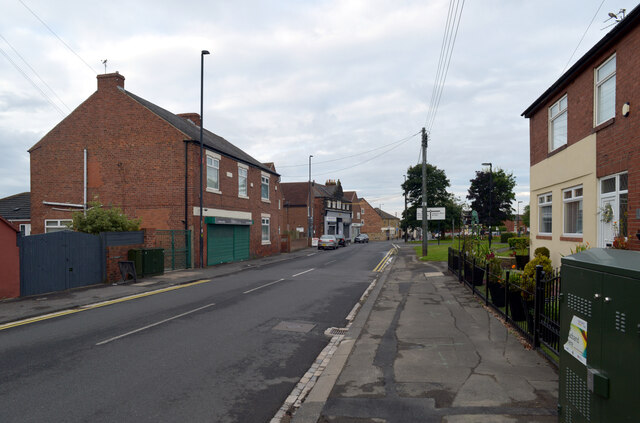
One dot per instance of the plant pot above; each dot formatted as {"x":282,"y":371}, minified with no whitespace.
{"x":521,"y":261}
{"x":467,"y":272}
{"x":478,"y":275}
{"x":497,"y":293}
{"x":516,"y":307}
{"x":454,"y":262}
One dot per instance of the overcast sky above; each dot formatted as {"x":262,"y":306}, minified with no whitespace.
{"x":344,"y":81}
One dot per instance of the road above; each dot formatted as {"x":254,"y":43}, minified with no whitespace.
{"x":216,"y":351}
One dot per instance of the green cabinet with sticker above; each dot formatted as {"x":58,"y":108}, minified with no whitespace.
{"x":600,"y":337}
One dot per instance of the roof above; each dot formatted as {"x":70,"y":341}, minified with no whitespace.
{"x":626,"y":25}
{"x":16,"y":207}
{"x":352,"y":196}
{"x":383,"y":214}
{"x":211,"y":140}
{"x":295,"y":193}
{"x":8,"y":224}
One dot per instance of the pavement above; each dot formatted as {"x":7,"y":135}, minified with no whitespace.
{"x":423,"y":349}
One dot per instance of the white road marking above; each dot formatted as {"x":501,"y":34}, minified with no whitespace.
{"x":154,"y":324}
{"x":262,"y":286}
{"x":302,"y":273}
{"x":329,"y":262}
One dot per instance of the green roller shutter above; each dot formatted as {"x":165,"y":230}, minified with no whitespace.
{"x":241,"y":243}
{"x":227,"y":243}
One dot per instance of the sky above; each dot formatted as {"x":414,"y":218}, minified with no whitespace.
{"x":347,"y":81}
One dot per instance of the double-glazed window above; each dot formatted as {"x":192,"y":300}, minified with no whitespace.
{"x":572,"y":199}
{"x":57,"y":225}
{"x":266,"y":222}
{"x":242,"y":181}
{"x":213,"y":172}
{"x":264,"y":187}
{"x":545,"y":213}
{"x":558,"y":124}
{"x":605,"y":87}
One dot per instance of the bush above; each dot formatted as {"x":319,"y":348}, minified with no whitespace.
{"x":544,"y":251}
{"x":100,"y":219}
{"x":504,"y":236}
{"x":519,"y":243}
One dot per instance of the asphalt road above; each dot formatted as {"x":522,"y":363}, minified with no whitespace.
{"x":215,"y":351}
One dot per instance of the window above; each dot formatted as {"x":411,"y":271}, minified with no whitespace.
{"x":618,"y":187}
{"x":242,"y":181}
{"x":264,"y":191}
{"x":57,"y":225}
{"x":572,"y":199}
{"x":213,"y":172}
{"x":25,"y":229}
{"x":266,"y":238}
{"x":558,"y":124}
{"x":545,"y":212}
{"x":605,"y":97}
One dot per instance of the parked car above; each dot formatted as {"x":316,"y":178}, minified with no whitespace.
{"x":342,"y":241}
{"x":327,"y":241}
{"x":362,"y":238}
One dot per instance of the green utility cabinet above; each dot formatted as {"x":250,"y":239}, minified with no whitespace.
{"x":147,"y":261}
{"x":600,"y":337}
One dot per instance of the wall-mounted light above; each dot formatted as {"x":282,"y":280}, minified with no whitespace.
{"x":625,"y":109}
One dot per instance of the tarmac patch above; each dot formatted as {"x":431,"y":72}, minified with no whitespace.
{"x":433,"y":274}
{"x":300,"y":327}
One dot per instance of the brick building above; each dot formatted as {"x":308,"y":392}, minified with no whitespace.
{"x":16,"y":209}
{"x":390,"y":224}
{"x":371,"y":223}
{"x":9,"y":260}
{"x":584,"y":148}
{"x":130,"y":153}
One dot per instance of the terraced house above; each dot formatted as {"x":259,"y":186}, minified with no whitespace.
{"x":585,"y":149}
{"x":128,"y":152}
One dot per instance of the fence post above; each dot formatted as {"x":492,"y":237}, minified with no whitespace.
{"x":506,"y":295}
{"x":486,"y":284}
{"x":473,"y":276}
{"x":537,"y":304}
{"x":460,"y":265}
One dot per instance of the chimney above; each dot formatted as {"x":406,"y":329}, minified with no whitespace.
{"x":193,"y":117}
{"x":110,"y":81}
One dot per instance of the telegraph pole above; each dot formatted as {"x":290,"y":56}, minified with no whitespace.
{"x":425,"y":215}
{"x":405,"y":210}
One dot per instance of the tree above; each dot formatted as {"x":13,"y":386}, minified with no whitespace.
{"x":99,"y":219}
{"x":437,"y":196}
{"x":526,"y":216}
{"x":502,"y":196}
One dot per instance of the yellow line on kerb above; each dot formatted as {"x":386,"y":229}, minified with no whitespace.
{"x":384,"y":261}
{"x":97,"y":305}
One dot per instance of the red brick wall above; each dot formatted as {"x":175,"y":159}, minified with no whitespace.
{"x":136,"y":162}
{"x":617,"y":141}
{"x":295,"y":217}
{"x":372,"y":221}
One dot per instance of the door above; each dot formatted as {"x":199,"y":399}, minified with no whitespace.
{"x":606,"y":229}
{"x":227,"y":243}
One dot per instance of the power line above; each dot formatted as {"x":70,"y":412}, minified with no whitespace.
{"x":56,"y":35}
{"x":34,"y":71}
{"x":583,"y":35}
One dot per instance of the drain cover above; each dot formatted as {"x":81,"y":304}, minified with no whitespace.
{"x":301,"y":327}
{"x":336,"y":331}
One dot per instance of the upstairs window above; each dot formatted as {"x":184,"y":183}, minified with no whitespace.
{"x":605,"y":96}
{"x":572,"y":199}
{"x":242,"y":181}
{"x":213,"y":172}
{"x":264,"y":190}
{"x":558,"y":124}
{"x":545,"y":213}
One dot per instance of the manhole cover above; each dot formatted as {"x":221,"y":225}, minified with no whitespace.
{"x":300,"y":327}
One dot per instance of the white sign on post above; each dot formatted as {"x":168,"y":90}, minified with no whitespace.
{"x":435,"y":213}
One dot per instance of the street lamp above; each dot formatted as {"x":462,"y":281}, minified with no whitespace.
{"x":518,"y":218}
{"x":490,"y":196}
{"x":310,"y":208}
{"x":202,"y":54}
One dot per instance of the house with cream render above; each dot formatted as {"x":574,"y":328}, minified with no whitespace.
{"x":585,"y":149}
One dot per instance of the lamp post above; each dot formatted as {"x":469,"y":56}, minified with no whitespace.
{"x":490,"y":196}
{"x":202,"y":54}
{"x":310,"y":208}
{"x":518,"y":219}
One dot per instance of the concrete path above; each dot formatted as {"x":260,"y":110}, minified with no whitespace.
{"x":426,"y":350}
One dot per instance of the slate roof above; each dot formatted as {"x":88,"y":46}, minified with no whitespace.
{"x":385,"y":215}
{"x":16,"y":207}
{"x":295,"y":193}
{"x":211,"y":140}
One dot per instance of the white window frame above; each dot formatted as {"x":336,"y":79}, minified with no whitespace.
{"x":243,"y":169}
{"x":569,"y":196}
{"x":25,"y":228}
{"x":545,"y":200}
{"x":599,"y":82}
{"x":558,"y":112}
{"x":264,"y":180}
{"x":266,"y":223}
{"x":215,"y":158}
{"x":56,"y":224}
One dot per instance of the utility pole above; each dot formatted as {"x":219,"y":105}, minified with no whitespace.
{"x":405,"y":210}
{"x":425,"y":215}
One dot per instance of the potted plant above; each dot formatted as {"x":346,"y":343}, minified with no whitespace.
{"x":516,"y":306}
{"x":495,"y":281}
{"x":520,"y":247}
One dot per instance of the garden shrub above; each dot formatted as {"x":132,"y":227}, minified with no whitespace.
{"x":519,"y":243}
{"x":504,"y":236}
{"x":544,"y":251}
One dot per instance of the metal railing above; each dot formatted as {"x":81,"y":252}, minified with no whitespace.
{"x":535,"y":315}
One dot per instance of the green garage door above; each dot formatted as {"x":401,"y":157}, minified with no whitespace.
{"x":227,"y":243}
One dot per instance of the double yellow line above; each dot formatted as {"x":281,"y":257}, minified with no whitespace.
{"x":96,"y":305}
{"x":385,"y":260}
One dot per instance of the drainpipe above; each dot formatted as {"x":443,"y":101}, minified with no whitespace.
{"x":85,"y":182}
{"x":186,"y":185}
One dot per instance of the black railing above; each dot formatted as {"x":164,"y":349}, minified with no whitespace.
{"x":535,"y":315}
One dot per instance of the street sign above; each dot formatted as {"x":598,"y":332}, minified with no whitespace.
{"x":435,"y":213}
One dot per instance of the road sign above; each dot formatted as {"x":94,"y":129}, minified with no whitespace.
{"x":435,"y":213}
